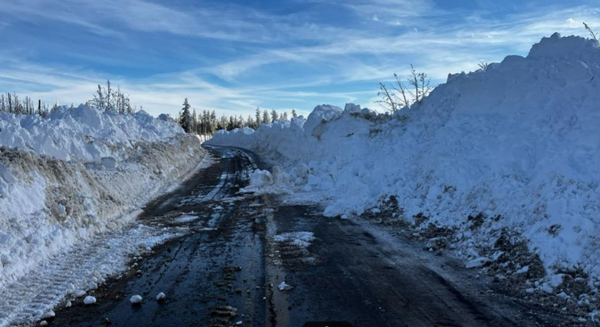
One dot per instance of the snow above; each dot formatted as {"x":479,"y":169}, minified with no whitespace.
{"x":518,"y":141}
{"x":135,"y":299}
{"x":49,"y":314}
{"x":160,"y":296}
{"x":299,"y":239}
{"x":265,"y":182}
{"x":73,"y":182}
{"x":186,"y":218}
{"x":83,"y":133}
{"x":283,"y":286}
{"x":89,"y":300}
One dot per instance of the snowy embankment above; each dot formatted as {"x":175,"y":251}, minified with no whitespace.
{"x":78,"y":173}
{"x":490,"y":157}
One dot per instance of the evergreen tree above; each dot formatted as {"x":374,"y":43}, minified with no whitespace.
{"x":185,"y":118}
{"x":274,"y":116}
{"x":250,"y":122}
{"x":258,"y":120}
{"x":265,"y":117}
{"x":294,"y":114}
{"x":194,"y":126}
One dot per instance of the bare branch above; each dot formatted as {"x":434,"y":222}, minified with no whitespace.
{"x":590,"y":30}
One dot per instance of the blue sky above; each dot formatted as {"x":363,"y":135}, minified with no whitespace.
{"x":234,"y":56}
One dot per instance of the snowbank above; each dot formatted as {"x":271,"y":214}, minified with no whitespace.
{"x":82,"y":133}
{"x":517,"y":143}
{"x":79,"y":173}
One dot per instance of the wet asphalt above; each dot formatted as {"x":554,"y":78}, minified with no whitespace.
{"x":225,"y":271}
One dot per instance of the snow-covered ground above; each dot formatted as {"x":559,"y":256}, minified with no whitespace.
{"x":507,"y":154}
{"x":68,"y":179}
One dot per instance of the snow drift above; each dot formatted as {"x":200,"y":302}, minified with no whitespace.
{"x":516,"y":144}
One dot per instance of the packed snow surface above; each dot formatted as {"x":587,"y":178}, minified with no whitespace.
{"x":517,"y":142}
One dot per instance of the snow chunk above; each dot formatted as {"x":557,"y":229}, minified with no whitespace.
{"x":320,"y":115}
{"x":300,"y":239}
{"x":160,"y":296}
{"x":49,"y":314}
{"x":284,"y":287}
{"x":135,"y":299}
{"x":89,"y":300}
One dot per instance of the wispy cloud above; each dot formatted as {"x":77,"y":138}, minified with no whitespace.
{"x":234,"y":57}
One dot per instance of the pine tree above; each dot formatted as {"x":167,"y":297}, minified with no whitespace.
{"x":265,"y":117}
{"x":185,"y":118}
{"x":258,"y":121}
{"x":213,"y":122}
{"x":274,"y":116}
{"x":194,"y":126}
{"x":294,"y":114}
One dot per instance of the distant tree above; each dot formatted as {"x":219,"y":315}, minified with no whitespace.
{"x":194,"y":125}
{"x":213,"y":122}
{"x":54,"y":107}
{"x":258,"y":117}
{"x":285,"y":116}
{"x":109,"y":100}
{"x":99,"y":102}
{"x":483,"y":65}
{"x":265,"y":117}
{"x":294,"y":114}
{"x":185,"y":117}
{"x":274,"y":116}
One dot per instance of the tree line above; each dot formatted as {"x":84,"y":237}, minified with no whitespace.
{"x":12,"y":104}
{"x":105,"y":98}
{"x":206,"y":122}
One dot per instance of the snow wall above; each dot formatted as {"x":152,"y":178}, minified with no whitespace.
{"x":77,"y":173}
{"x":519,"y":141}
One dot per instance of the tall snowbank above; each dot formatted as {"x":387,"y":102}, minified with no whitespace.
{"x":116,"y":163}
{"x":82,"y":133}
{"x":519,"y":141}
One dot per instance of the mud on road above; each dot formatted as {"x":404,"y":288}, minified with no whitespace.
{"x":248,"y":260}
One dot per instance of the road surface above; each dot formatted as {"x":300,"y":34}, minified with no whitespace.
{"x":228,"y":269}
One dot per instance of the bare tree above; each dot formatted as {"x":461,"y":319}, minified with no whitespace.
{"x":483,"y":65}
{"x":397,"y":97}
{"x":421,"y":83}
{"x":402,"y":89}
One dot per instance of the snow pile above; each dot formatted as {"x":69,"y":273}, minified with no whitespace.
{"x":516,"y":146}
{"x":78,"y":174}
{"x":82,"y":133}
{"x":265,"y":182}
